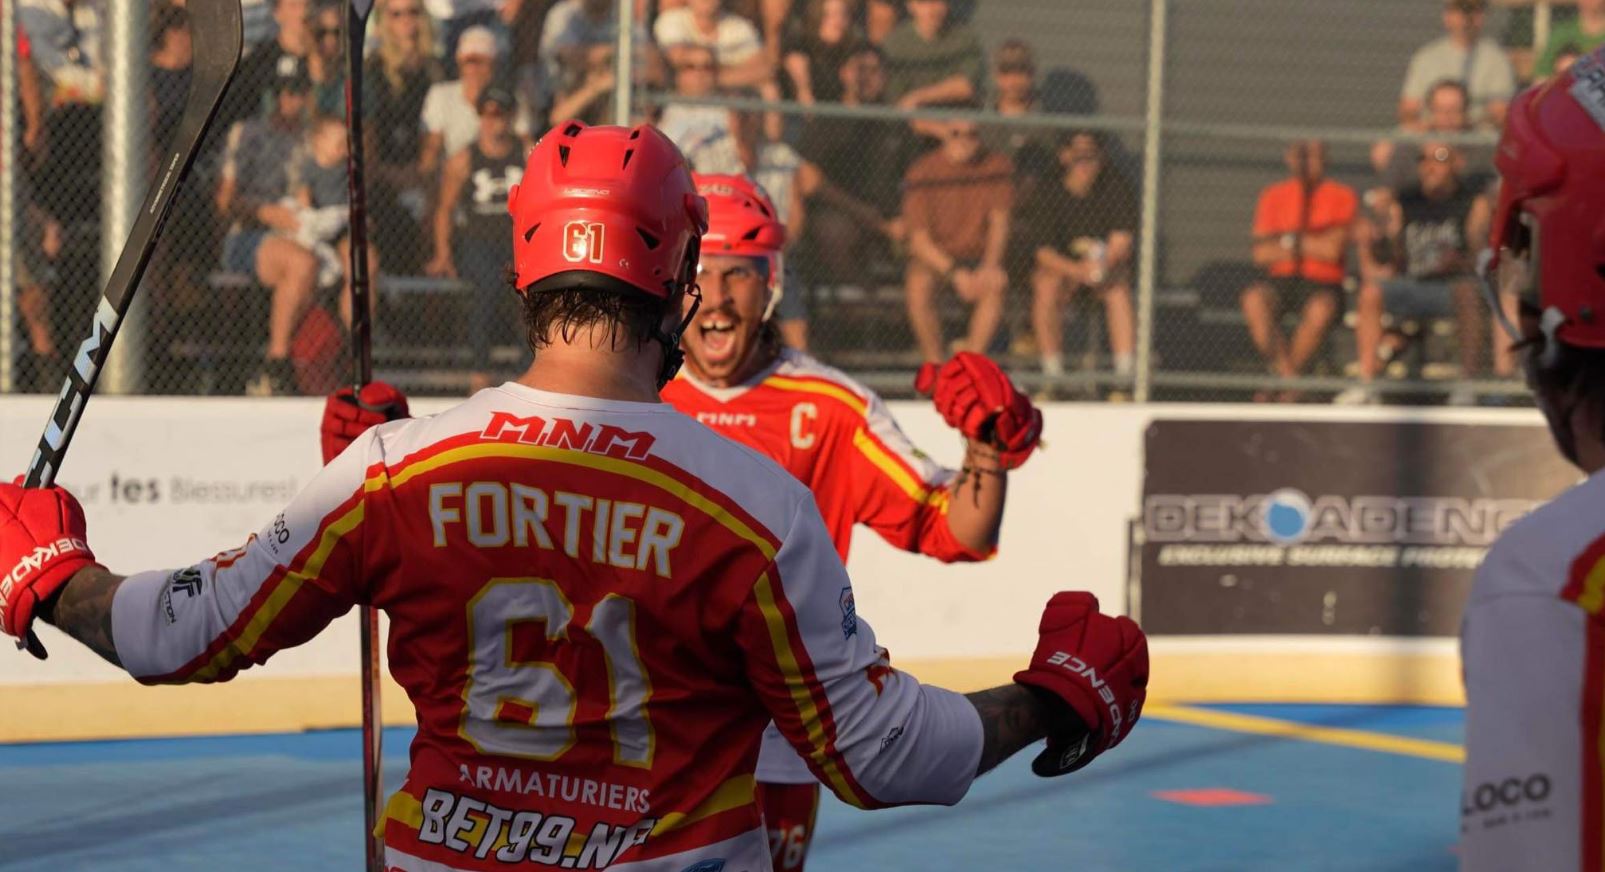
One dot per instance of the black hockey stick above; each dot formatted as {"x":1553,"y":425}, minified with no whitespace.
{"x":216,"y":32}
{"x":362,"y":359}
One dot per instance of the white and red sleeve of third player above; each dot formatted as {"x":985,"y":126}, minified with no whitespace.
{"x":871,"y":734}
{"x":1533,"y":654}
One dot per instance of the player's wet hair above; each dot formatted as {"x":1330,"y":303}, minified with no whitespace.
{"x":632,"y":318}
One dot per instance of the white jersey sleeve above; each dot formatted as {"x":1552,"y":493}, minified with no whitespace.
{"x":206,"y":622}
{"x":1533,"y":655}
{"x":1520,"y":805}
{"x":873,"y":735}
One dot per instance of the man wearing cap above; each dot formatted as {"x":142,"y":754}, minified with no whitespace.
{"x":255,"y":178}
{"x":450,"y":117}
{"x":472,"y":230}
{"x":1462,"y":55}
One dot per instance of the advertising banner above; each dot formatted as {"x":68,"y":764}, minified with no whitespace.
{"x":1328,"y":527}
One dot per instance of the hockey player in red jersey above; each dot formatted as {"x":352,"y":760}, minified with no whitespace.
{"x":1533,"y":633}
{"x":595,"y":603}
{"x":836,"y":437}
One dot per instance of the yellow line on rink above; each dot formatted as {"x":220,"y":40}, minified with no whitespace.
{"x":1348,"y":738}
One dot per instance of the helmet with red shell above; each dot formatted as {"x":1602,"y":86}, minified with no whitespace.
{"x":608,"y":208}
{"x":742,"y":221}
{"x":1547,"y":238}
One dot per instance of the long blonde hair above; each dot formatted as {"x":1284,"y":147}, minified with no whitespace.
{"x":391,"y":60}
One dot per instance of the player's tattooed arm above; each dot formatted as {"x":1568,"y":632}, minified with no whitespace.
{"x":82,"y":610}
{"x":1012,"y":717}
{"x":975,"y":511}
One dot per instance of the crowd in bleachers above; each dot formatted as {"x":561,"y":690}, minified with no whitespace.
{"x":988,"y":230}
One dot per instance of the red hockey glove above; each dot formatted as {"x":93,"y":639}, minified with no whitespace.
{"x":1098,"y":666}
{"x":347,"y":416}
{"x":42,"y":544}
{"x":975,"y":397}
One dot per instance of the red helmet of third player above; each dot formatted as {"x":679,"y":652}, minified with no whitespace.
{"x":606,"y":207}
{"x":742,"y":221}
{"x":1548,"y":232}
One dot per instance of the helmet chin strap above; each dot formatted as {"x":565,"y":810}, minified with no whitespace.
{"x":673,"y":354}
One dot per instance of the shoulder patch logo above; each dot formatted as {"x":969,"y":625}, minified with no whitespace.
{"x":849,"y":613}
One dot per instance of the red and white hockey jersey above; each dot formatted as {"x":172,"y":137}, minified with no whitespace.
{"x":595,"y":607}
{"x":837,"y":437}
{"x":1533,"y":651}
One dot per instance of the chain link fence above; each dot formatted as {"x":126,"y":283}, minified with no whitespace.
{"x":1209,"y":200}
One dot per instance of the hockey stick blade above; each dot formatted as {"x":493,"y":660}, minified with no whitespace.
{"x":216,"y":31}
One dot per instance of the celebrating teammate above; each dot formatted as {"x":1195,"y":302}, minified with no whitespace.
{"x":596,"y":604}
{"x":836,"y":437}
{"x":1533,"y":636}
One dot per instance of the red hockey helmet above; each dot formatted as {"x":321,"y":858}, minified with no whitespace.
{"x":606,"y":207}
{"x":1547,"y":239}
{"x":742,"y":221}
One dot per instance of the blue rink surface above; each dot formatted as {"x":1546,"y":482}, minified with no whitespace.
{"x":293,"y":802}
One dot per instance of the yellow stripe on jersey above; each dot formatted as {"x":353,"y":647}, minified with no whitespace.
{"x":625,"y":468}
{"x":282,"y":593}
{"x":1592,"y":597}
{"x":898,"y":473}
{"x":797,"y":683}
{"x":735,"y":793}
{"x":837,"y":392}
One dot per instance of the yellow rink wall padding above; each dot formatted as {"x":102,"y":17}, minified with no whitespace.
{"x":125,"y":709}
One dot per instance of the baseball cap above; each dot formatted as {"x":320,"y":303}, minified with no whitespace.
{"x":479,"y":41}
{"x":290,"y":74}
{"x":497,"y":95}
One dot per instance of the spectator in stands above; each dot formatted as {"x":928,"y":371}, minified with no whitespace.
{"x":252,"y":92}
{"x":326,"y":61}
{"x":1034,"y":150}
{"x":703,"y":133}
{"x":171,"y":54}
{"x":457,"y":17}
{"x":956,"y":203}
{"x":590,"y":99}
{"x":1463,"y":55}
{"x":931,"y":59}
{"x":449,"y":118}
{"x":855,"y":195}
{"x":1301,"y":233}
{"x":398,"y":75}
{"x":472,"y":230}
{"x":1575,"y":38}
{"x":1081,"y":234}
{"x":1417,"y":259}
{"x":255,"y":185}
{"x":66,"y":41}
{"x":323,"y":202}
{"x":816,"y":47}
{"x":578,"y":39}
{"x":736,"y":43}
{"x":1446,"y":112}
{"x":30,"y":98}
{"x":881,"y":17}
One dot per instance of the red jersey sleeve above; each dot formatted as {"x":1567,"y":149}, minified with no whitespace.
{"x":871,"y":734}
{"x":899,"y":492}
{"x":208,"y":621}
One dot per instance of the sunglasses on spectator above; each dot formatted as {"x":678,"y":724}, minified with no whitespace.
{"x":1018,"y":69}
{"x":473,"y":60}
{"x":1441,"y":154}
{"x":326,"y":32}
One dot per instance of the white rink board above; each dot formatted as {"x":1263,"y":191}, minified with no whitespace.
{"x":222,"y":468}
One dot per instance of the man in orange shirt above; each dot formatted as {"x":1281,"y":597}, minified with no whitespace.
{"x":1301,"y":230}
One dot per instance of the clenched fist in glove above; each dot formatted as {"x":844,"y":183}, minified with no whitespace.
{"x":1097,"y":665}
{"x":347,"y":415}
{"x":42,"y":545}
{"x":975,"y":397}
